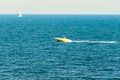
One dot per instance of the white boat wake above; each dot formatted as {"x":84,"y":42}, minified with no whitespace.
{"x":88,"y":41}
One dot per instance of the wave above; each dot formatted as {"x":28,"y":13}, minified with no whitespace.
{"x":88,"y":41}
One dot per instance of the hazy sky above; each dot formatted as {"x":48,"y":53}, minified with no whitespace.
{"x":60,"y":6}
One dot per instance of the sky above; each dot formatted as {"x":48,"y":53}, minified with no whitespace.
{"x":60,"y":6}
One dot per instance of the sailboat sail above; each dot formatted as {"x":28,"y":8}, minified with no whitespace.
{"x":20,"y":15}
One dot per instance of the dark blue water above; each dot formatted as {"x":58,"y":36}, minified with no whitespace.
{"x":28,"y":50}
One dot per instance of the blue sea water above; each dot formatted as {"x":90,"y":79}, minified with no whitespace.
{"x":28,"y":50}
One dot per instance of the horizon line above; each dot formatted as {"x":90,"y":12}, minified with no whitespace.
{"x":61,"y":13}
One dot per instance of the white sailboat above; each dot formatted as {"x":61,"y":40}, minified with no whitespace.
{"x":20,"y":14}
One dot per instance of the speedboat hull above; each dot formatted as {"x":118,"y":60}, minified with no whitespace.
{"x":63,"y":40}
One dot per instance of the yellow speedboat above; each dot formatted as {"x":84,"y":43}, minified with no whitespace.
{"x":63,"y":40}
